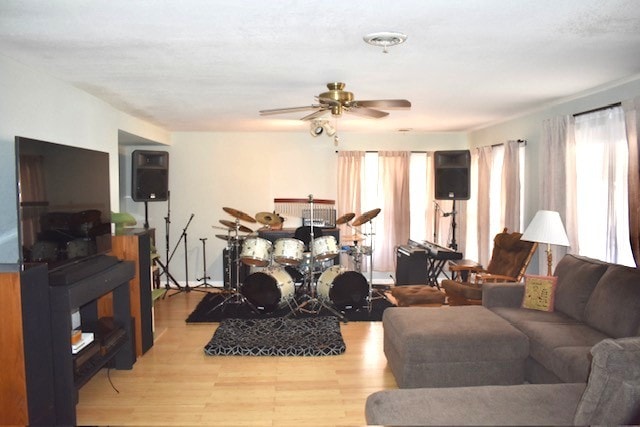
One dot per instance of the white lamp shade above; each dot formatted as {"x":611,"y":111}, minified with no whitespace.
{"x":546,"y":227}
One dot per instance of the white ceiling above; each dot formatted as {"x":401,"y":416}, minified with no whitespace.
{"x":209,"y":65}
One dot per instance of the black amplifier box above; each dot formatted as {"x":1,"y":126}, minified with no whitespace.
{"x":411,"y":266}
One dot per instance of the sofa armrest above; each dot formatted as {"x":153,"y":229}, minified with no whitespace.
{"x":502,"y":294}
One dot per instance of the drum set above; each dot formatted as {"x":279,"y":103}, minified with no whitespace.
{"x":300,"y":272}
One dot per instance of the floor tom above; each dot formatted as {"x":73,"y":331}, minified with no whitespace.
{"x":325,"y":247}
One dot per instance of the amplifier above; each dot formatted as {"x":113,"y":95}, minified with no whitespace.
{"x":411,"y":266}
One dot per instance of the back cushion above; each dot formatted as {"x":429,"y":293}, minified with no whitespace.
{"x":577,"y":278}
{"x":612,"y":396}
{"x":614,"y":305}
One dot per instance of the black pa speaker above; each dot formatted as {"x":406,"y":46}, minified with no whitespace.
{"x":452,"y":177}
{"x":149,"y":176}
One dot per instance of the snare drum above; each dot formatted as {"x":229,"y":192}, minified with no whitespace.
{"x":325,"y":247}
{"x":346,"y":289}
{"x":256,"y":251}
{"x":269,"y":289}
{"x":288,"y":251}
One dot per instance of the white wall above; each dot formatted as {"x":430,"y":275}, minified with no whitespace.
{"x":246,"y":171}
{"x":37,"y":106}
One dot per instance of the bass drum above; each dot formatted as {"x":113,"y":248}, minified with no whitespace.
{"x":269,"y":289}
{"x":345,"y":289}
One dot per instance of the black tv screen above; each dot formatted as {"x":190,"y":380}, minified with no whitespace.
{"x":64,"y":202}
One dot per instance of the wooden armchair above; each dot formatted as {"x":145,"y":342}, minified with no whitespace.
{"x":508,"y":263}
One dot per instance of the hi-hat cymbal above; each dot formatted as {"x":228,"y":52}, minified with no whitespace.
{"x":239,"y":214}
{"x":227,"y":237}
{"x":268,"y":218}
{"x":351,"y":239}
{"x":232,"y":225}
{"x":345,"y":218}
{"x":366,"y":217}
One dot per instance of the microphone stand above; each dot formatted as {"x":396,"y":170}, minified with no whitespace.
{"x":185,"y":288}
{"x":165,"y":267}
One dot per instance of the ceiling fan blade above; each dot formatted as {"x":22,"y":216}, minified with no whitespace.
{"x":384,"y":103}
{"x":288,"y":110}
{"x":315,"y":115}
{"x":368,"y":112}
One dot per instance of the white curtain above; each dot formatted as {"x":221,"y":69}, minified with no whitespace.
{"x":511,"y":186}
{"x":393,"y":193}
{"x":557,"y":172}
{"x":602,"y":185}
{"x":350,"y":178}
{"x":484,"y":205}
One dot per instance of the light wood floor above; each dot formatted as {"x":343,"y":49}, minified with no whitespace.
{"x":175,"y":383}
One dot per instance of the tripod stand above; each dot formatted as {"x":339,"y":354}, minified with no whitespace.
{"x":204,"y":267}
{"x":312,"y":304}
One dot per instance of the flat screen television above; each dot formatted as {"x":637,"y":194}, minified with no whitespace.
{"x":63,"y":202}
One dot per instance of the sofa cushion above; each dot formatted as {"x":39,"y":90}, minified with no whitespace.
{"x":528,"y":404}
{"x":614,"y":305}
{"x":539,"y":292}
{"x":577,"y":277}
{"x":562,"y":348}
{"x":612,"y":396}
{"x":516,"y":316}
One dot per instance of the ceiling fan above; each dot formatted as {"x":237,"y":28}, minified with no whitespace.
{"x":338,"y":101}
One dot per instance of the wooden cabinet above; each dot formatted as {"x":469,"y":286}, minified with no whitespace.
{"x":38,"y":381}
{"x":26,"y":355}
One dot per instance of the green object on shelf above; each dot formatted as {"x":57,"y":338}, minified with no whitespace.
{"x":122,"y":219}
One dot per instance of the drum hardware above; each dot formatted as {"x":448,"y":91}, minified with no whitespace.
{"x":312,"y":304}
{"x":236,"y":225}
{"x":367,"y":219}
{"x":204,"y":277}
{"x":233,"y":247}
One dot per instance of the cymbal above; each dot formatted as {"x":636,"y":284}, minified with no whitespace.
{"x":345,"y":218}
{"x":239,"y":214}
{"x":268,"y":218}
{"x":366,"y":217}
{"x":232,"y":225}
{"x":227,"y":237}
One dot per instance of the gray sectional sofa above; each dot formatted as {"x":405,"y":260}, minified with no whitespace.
{"x":548,"y":354}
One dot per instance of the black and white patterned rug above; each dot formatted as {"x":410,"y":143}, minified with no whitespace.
{"x":314,"y":336}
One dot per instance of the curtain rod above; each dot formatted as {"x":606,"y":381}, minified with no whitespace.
{"x":520,"y":141}
{"x":606,"y":107}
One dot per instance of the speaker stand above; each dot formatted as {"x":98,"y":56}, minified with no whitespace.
{"x":146,"y":214}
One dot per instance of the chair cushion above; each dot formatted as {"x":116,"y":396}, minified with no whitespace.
{"x":509,"y":254}
{"x":417,"y":294}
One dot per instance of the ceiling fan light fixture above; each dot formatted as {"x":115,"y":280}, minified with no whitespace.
{"x":385,"y":39}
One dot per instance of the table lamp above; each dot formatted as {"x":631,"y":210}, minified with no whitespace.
{"x":546,"y":227}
